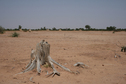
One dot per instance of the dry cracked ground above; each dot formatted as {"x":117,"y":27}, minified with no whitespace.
{"x":96,"y":49}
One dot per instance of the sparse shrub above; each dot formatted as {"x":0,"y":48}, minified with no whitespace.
{"x":123,"y":49}
{"x":1,"y":30}
{"x":15,"y":34}
{"x":46,"y":65}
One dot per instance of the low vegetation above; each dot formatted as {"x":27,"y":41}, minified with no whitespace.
{"x":2,"y":30}
{"x":15,"y":34}
{"x":25,"y":30}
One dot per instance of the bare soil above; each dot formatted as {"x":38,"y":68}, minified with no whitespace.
{"x":96,"y":49}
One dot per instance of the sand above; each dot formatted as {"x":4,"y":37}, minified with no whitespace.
{"x":96,"y":49}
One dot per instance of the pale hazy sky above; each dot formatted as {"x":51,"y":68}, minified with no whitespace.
{"x":62,"y":13}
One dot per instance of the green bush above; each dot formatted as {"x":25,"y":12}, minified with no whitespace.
{"x":25,"y":30}
{"x":1,"y":30}
{"x":15,"y":34}
{"x":113,"y":32}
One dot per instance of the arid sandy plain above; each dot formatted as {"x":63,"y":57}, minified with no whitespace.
{"x":96,"y":49}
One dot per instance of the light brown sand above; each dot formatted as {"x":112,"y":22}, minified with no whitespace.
{"x":94,"y":48}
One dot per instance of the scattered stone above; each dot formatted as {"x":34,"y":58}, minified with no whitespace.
{"x":46,"y":72}
{"x":23,"y":69}
{"x":14,"y":77}
{"x":24,"y":81}
{"x":102,"y":64}
{"x":117,"y":55}
{"x":65,"y":64}
{"x":78,"y":72}
{"x":13,"y":67}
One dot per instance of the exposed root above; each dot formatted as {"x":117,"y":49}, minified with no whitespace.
{"x":80,"y":64}
{"x":60,"y":65}
{"x":31,"y":80}
{"x":29,"y":64}
{"x":53,"y":74}
{"x":31,"y":67}
{"x":42,"y":55}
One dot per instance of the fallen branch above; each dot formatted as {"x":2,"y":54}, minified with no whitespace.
{"x":80,"y":64}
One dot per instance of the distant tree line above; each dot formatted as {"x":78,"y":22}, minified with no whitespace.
{"x":87,"y":28}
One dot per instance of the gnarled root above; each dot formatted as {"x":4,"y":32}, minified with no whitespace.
{"x":53,"y":74}
{"x":64,"y":67}
{"x":30,"y":67}
{"x":60,"y":65}
{"x":29,"y":64}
